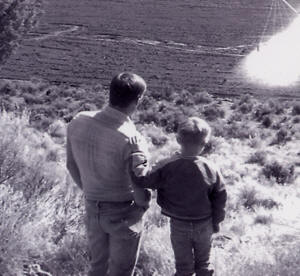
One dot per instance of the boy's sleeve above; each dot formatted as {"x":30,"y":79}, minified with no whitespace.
{"x":72,"y":166}
{"x":218,"y":199}
{"x":153,"y":180}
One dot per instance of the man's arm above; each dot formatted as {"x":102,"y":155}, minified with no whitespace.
{"x":218,"y":199}
{"x":72,"y":166}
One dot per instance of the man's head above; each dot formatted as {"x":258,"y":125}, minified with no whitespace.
{"x":193,"y":133}
{"x":125,"y":90}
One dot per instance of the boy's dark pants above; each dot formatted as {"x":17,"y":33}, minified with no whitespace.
{"x":191,"y":242}
{"x":114,"y":231}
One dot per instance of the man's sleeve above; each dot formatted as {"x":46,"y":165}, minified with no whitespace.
{"x":72,"y":166}
{"x":218,"y":199}
{"x":138,"y":165}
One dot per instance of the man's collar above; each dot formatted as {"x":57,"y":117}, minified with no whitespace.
{"x":116,"y":114}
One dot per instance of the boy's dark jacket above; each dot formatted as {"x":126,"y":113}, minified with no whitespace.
{"x":188,"y":188}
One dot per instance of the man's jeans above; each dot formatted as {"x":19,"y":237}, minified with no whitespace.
{"x":191,"y":242}
{"x":114,"y":231}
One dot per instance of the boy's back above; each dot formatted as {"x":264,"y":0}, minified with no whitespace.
{"x":188,"y":188}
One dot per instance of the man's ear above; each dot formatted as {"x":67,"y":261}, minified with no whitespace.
{"x":179,"y":139}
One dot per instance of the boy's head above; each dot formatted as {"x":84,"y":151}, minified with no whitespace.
{"x":125,"y":90}
{"x":193,"y":132}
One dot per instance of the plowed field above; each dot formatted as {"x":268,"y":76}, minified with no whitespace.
{"x":193,"y":44}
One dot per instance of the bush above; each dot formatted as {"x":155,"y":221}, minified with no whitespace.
{"x":296,"y":109}
{"x":248,"y":197}
{"x":258,"y":157}
{"x":281,"y":137}
{"x":283,"y":174}
{"x":16,"y":19}
{"x":263,"y":219}
{"x":261,"y":111}
{"x":296,"y":120}
{"x":203,"y":98}
{"x":246,"y":108}
{"x":213,"y":112}
{"x":267,"y":121}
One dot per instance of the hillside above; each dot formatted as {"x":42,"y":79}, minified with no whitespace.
{"x":256,"y":144}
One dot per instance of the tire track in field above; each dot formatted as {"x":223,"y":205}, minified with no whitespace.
{"x":237,"y":51}
{"x":38,"y":36}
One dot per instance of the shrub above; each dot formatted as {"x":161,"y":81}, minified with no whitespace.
{"x":16,"y":19}
{"x":263,"y":219}
{"x":269,"y":203}
{"x":276,"y":106}
{"x":246,"y":108}
{"x":296,"y":109}
{"x":245,"y":99}
{"x":184,"y":98}
{"x":203,"y":98}
{"x":239,"y":130}
{"x":213,"y":112}
{"x":296,"y":120}
{"x":248,"y":197}
{"x":258,"y":157}
{"x":267,"y":121}
{"x":283,"y":174}
{"x":281,"y":137}
{"x":261,"y":111}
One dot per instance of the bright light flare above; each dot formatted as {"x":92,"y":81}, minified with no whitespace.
{"x":277,"y":62}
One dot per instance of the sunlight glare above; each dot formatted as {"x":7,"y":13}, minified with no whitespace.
{"x":277,"y":62}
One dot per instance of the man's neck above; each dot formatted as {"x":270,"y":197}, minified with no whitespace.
{"x":122,"y":110}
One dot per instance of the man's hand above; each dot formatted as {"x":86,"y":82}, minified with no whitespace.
{"x":134,"y":144}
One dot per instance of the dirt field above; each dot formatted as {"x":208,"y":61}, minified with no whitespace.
{"x":191,"y":44}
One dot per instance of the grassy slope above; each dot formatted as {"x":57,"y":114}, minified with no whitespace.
{"x":256,"y":144}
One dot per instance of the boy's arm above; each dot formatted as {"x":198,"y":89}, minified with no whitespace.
{"x":153,"y":180}
{"x":72,"y":166}
{"x":218,"y":199}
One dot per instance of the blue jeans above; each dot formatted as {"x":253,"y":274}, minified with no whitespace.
{"x":191,"y":242}
{"x":114,"y":231}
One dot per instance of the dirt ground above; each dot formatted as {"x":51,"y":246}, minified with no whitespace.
{"x":192,"y":44}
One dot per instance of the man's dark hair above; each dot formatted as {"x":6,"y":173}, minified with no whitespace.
{"x":126,"y":88}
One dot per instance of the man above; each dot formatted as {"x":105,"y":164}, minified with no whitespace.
{"x":99,"y":158}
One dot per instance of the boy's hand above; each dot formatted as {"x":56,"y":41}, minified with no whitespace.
{"x":216,"y":228}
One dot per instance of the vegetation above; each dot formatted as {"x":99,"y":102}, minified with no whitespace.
{"x":42,"y":218}
{"x":16,"y":19}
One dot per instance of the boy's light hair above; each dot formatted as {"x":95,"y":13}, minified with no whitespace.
{"x":194,"y":130}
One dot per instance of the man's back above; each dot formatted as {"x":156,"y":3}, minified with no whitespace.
{"x":99,"y":147}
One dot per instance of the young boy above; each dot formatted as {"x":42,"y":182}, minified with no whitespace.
{"x":190,"y":190}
